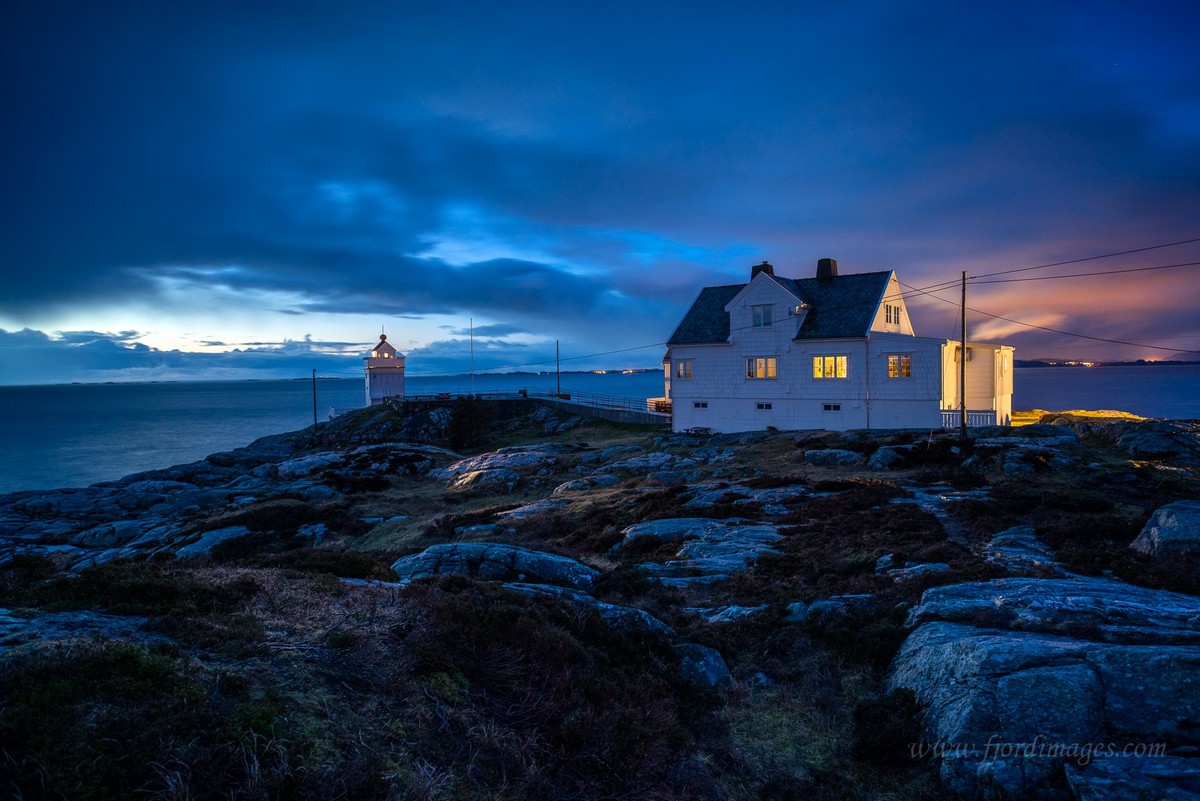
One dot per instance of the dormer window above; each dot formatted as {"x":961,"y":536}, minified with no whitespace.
{"x":761,"y":315}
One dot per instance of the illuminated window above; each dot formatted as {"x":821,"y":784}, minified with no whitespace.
{"x":760,"y":367}
{"x":829,"y":366}
{"x":899,"y":365}
{"x":683,"y":368}
{"x":762,"y":315}
{"x":891,"y":313}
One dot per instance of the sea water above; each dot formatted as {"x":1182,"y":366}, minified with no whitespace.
{"x":72,"y":435}
{"x":78,"y":434}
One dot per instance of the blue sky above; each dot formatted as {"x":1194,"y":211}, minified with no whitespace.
{"x":221,"y":189}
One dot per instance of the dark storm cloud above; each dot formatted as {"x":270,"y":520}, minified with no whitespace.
{"x":30,"y":357}
{"x":325,"y":155}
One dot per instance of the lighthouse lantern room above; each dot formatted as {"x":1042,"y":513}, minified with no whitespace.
{"x":384,"y":372}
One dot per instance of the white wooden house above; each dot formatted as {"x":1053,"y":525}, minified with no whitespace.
{"x":830,"y":352}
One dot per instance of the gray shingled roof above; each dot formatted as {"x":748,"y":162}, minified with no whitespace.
{"x":843,"y":306}
{"x":707,"y":320}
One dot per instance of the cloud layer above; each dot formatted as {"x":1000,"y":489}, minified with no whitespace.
{"x":578,"y":173}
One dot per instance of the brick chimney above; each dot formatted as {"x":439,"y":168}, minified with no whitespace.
{"x":761,"y":268}
{"x":826,"y":269}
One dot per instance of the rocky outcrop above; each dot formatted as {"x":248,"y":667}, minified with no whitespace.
{"x":831,"y":457}
{"x":1100,"y":608}
{"x":496,"y":562}
{"x":710,"y":550}
{"x":1136,"y":777}
{"x":503,"y":459}
{"x":1174,"y":528}
{"x":1020,"y":676}
{"x":502,"y":479}
{"x":211,"y":539}
{"x":773,"y":500}
{"x":161,"y":512}
{"x":1018,"y":551}
{"x":20,"y":630}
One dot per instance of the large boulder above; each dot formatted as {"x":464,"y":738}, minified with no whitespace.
{"x":703,"y":667}
{"x":496,"y":562}
{"x":1022,"y":677}
{"x":1174,"y":528}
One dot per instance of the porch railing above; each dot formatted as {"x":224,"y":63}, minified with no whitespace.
{"x":975,"y":419}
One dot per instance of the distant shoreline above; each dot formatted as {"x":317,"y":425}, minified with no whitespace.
{"x":1030,"y":363}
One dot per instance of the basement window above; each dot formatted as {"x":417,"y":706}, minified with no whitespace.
{"x":831,"y":407}
{"x":763,"y":407}
{"x":699,"y":404}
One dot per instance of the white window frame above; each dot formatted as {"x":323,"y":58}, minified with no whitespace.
{"x":899,"y":365}
{"x":699,"y":404}
{"x":762,"y":314}
{"x":835,"y":366}
{"x":763,"y":406}
{"x":760,"y":368}
{"x":683,"y":368}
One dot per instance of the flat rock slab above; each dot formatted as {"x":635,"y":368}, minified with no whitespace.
{"x":1019,"y":551}
{"x":496,"y":562}
{"x":533,"y":509}
{"x":706,"y":496}
{"x":15,"y":631}
{"x":1107,"y":609}
{"x":648,"y":463}
{"x":831,"y":457}
{"x":505,"y":458}
{"x":211,"y":539}
{"x":711,"y":549}
{"x":1135,"y":778}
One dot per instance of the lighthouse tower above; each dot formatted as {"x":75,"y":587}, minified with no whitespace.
{"x":384,"y":373}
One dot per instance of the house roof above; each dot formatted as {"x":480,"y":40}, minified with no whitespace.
{"x":707,"y":320}
{"x":839,"y":307}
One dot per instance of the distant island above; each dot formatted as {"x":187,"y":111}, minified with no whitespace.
{"x":1081,"y":363}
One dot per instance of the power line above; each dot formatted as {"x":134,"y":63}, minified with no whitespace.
{"x":1090,"y":258}
{"x":1056,"y":330}
{"x":1089,"y":275}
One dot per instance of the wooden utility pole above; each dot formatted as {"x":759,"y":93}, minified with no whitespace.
{"x":557,"y":371}
{"x":314,"y":385}
{"x":472,"y":319}
{"x":962,"y":365}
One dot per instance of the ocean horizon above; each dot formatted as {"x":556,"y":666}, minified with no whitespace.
{"x":75,"y":434}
